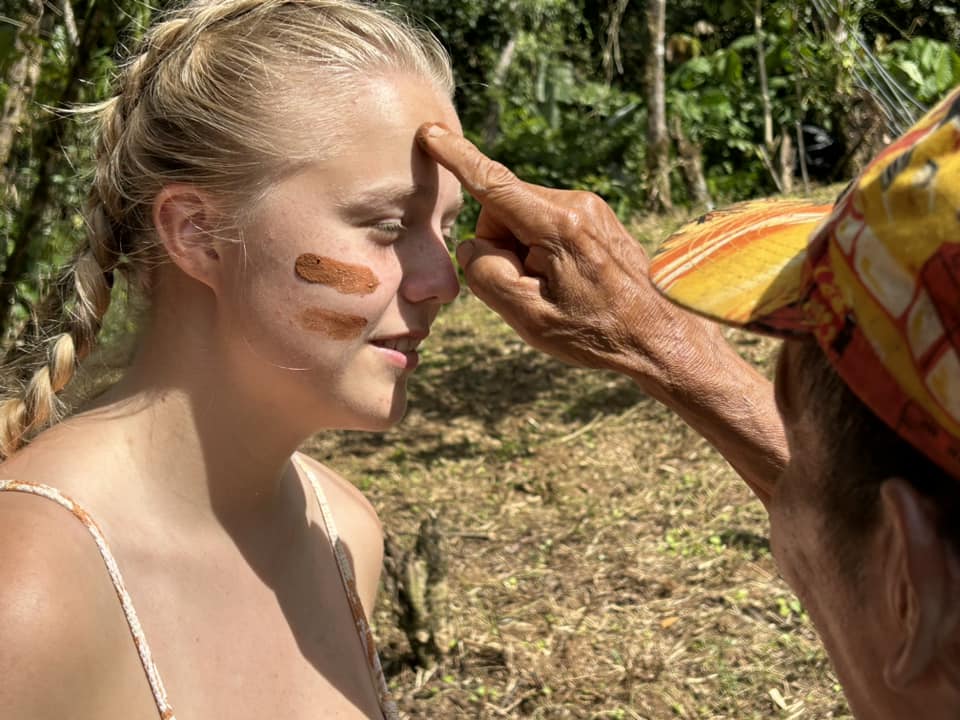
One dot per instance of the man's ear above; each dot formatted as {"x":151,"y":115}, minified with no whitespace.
{"x":922,"y":587}
{"x":186,"y":220}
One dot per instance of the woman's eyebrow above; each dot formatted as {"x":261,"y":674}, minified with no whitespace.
{"x":396,"y":196}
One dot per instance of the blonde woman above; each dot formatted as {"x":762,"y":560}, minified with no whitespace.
{"x":166,"y":547}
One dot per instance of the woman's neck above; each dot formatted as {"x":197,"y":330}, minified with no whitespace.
{"x":216,"y":446}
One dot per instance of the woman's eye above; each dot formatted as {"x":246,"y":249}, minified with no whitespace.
{"x":388,"y":232}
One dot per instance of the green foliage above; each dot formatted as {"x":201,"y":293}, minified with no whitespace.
{"x":545,"y":86}
{"x":40,"y":208}
{"x":559,"y":122}
{"x":575,"y":133}
{"x":717,"y":106}
{"x":552,"y":118}
{"x":927,"y":68}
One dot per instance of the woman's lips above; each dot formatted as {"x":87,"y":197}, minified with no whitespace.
{"x":400,"y":351}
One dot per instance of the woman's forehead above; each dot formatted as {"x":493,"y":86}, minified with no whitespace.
{"x":373,"y":135}
{"x":378,"y":111}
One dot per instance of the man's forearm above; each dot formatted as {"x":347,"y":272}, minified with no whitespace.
{"x":720,"y":395}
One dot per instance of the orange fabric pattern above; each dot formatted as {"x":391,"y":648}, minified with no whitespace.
{"x":876,"y":280}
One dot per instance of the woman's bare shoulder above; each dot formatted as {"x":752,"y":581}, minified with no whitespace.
{"x":344,"y":497}
{"x":358,"y":526}
{"x":58,"y":611}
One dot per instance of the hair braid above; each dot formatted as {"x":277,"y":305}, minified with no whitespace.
{"x":202,"y":101}
{"x":65,"y":326}
{"x":62,"y":333}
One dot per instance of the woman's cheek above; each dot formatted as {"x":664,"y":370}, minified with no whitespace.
{"x":355,"y":283}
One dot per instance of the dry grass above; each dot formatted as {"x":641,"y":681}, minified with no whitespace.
{"x":605,"y":563}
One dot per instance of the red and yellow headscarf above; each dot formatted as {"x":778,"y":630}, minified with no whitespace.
{"x":875,"y":278}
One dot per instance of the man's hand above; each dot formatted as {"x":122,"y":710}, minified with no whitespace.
{"x":561,"y":269}
{"x":566,"y":275}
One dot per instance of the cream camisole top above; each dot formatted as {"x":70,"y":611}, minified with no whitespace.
{"x":347,"y":579}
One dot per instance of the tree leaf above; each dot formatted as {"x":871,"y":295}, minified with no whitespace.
{"x":911,"y":70}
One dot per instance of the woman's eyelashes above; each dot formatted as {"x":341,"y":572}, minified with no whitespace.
{"x":391,"y":232}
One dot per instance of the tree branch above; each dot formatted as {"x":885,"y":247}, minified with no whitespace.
{"x":21,"y":81}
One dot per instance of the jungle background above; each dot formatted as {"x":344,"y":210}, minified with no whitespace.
{"x":559,"y":546}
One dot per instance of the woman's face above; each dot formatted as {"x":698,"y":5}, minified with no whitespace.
{"x":344,"y":265}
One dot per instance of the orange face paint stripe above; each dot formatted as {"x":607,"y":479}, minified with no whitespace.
{"x":335,"y":325}
{"x":342,"y":277}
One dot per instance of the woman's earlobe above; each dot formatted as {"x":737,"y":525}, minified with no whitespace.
{"x":185,"y":220}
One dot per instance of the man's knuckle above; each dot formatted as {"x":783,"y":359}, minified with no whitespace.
{"x":590,"y":204}
{"x":579,"y":209}
{"x":496,"y":176}
{"x":570,"y":221}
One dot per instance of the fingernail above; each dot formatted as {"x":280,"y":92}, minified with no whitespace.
{"x":465,"y":251}
{"x":438,"y":130}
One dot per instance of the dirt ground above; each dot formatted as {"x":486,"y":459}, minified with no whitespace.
{"x":603,"y":561}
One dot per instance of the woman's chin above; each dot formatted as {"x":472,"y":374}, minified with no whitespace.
{"x":381,"y":424}
{"x":382,"y":418}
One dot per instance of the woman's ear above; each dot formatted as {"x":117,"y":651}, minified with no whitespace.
{"x":922,"y":587}
{"x":186,"y":220}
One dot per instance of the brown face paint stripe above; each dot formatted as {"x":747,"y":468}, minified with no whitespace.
{"x":343,"y":277}
{"x":338,"y":326}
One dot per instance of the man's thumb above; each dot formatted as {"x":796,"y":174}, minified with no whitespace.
{"x":465,"y":252}
{"x":496,"y":276}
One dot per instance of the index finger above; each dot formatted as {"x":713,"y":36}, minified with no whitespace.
{"x":526,"y":214}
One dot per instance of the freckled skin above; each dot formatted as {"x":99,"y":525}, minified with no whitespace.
{"x":337,"y":326}
{"x":343,"y":277}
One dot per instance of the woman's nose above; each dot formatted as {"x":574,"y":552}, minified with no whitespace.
{"x":428,"y":272}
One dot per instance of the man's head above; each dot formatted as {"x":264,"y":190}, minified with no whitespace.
{"x":865,"y":520}
{"x":864,"y":528}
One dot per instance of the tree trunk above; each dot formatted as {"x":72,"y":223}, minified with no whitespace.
{"x":788,"y":158}
{"x":691,"y":163}
{"x":764,"y":85}
{"x":612,"y":59}
{"x":863,"y":129}
{"x":658,"y":141}
{"x":21,"y":80}
{"x":491,"y":128}
{"x":801,"y":146}
{"x":70,"y":22}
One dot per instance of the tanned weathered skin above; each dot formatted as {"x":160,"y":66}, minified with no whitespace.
{"x":335,"y":325}
{"x":560,"y":268}
{"x":343,"y":277}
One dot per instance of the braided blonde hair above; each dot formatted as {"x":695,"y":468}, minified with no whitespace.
{"x":199,"y":103}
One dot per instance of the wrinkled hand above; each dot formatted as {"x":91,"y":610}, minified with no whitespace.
{"x":564,"y":273}
{"x":557,"y":265}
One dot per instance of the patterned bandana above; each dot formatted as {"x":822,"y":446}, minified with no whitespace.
{"x":876,"y":279}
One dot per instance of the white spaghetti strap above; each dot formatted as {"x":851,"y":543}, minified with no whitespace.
{"x":143,"y":649}
{"x":387,"y":706}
